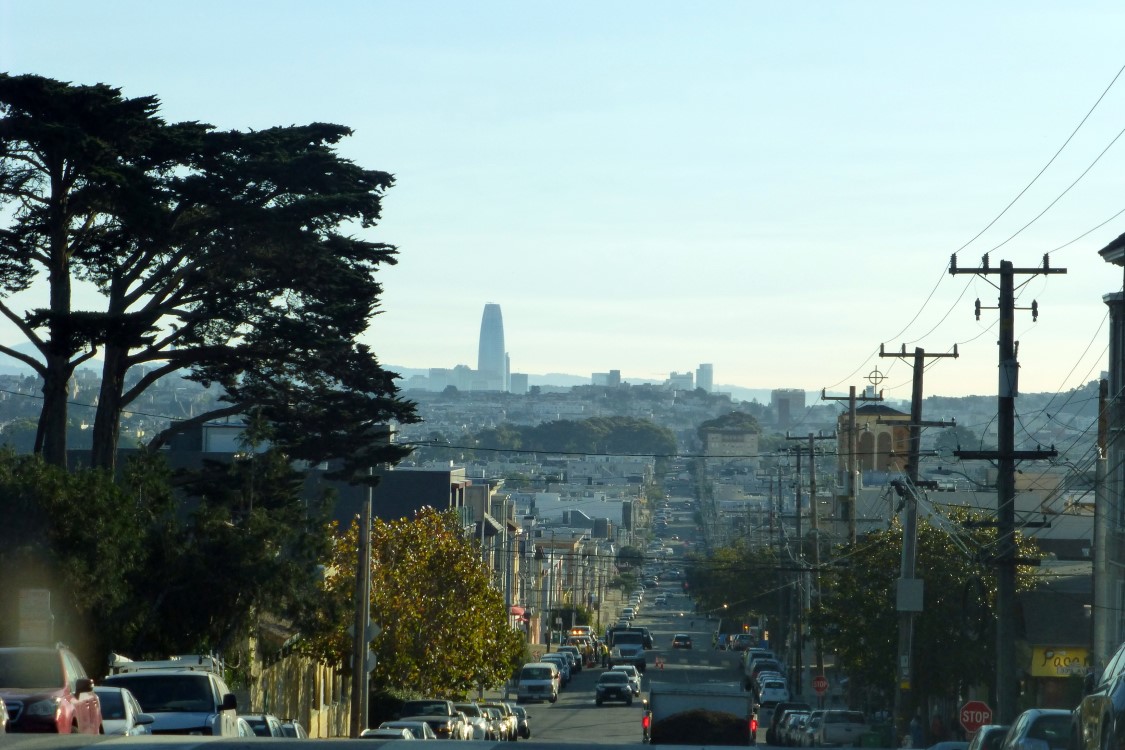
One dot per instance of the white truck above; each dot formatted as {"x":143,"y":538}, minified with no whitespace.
{"x":710,"y":713}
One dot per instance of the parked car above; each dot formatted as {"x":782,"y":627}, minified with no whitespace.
{"x":46,"y":689}
{"x":445,"y":727}
{"x":812,"y":726}
{"x":455,"y":726}
{"x":242,"y":728}
{"x":524,"y":722}
{"x":121,"y":713}
{"x":511,"y":722}
{"x":840,"y":727}
{"x":184,"y":694}
{"x":1039,"y":729}
{"x":681,"y":640}
{"x":791,"y":726}
{"x":989,"y":737}
{"x":574,"y":656}
{"x":633,"y":675}
{"x":386,"y":733}
{"x":418,"y":729}
{"x":778,"y":712}
{"x":773,"y":692}
{"x":264,"y":725}
{"x":476,"y":718}
{"x":293,"y":729}
{"x":497,"y":722}
{"x":563,"y":665}
{"x":613,"y":685}
{"x":1099,"y":720}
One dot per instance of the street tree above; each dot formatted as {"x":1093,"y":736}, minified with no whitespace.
{"x":445,"y":628}
{"x":224,"y":257}
{"x":954,"y":646}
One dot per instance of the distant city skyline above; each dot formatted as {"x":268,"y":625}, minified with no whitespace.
{"x":772,"y":188}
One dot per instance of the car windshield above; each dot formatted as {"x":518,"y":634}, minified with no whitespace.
{"x":613,"y":677}
{"x":535,"y":673}
{"x":423,"y":708}
{"x":113,"y":707}
{"x":1052,"y":728}
{"x":185,"y":692}
{"x":27,"y":668}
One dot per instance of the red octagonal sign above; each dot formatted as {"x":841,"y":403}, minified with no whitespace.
{"x":974,"y":715}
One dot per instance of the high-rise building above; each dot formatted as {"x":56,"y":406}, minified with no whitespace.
{"x":681,"y":381}
{"x":705,"y":377}
{"x":788,"y":405}
{"x":492,"y":360}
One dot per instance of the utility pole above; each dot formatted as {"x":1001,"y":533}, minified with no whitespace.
{"x":1006,"y":457}
{"x":853,"y":450}
{"x":362,"y":630}
{"x":909,"y":594}
{"x":815,"y":528}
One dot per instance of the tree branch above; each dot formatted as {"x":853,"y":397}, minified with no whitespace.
{"x":162,"y":437}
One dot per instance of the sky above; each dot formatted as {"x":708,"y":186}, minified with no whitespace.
{"x":773,"y":188}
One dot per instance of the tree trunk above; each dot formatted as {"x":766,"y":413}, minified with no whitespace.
{"x":107,"y":419}
{"x":50,"y":441}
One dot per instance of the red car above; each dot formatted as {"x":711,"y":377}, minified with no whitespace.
{"x":681,"y":640}
{"x":46,"y":690}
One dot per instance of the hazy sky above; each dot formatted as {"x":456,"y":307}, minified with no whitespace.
{"x":772,"y":187}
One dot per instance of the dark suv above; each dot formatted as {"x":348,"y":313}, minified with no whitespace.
{"x":46,"y":690}
{"x":1099,"y":720}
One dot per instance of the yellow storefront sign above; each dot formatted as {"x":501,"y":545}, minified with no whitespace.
{"x":1059,"y":662}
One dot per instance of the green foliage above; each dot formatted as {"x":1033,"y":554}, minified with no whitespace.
{"x":953,"y":646}
{"x":630,"y":557}
{"x":78,"y":535}
{"x":956,"y":438}
{"x":228,"y":255}
{"x":250,"y":544}
{"x":736,"y":421}
{"x":599,"y":435}
{"x":445,"y":628}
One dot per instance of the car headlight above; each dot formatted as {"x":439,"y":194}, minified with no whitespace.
{"x":45,"y":707}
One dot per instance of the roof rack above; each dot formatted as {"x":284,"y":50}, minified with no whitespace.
{"x":119,"y":664}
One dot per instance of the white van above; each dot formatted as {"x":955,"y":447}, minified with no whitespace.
{"x":538,"y":681}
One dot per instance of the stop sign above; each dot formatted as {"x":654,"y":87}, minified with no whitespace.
{"x":820,"y":684}
{"x":974,"y":715}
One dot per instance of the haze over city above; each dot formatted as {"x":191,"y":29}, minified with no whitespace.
{"x":774,"y":189}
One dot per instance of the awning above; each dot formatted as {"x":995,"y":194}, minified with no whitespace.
{"x":517,"y":611}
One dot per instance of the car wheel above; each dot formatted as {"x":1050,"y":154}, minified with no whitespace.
{"x":598,"y":701}
{"x":553,"y":698}
{"x":628,"y":701}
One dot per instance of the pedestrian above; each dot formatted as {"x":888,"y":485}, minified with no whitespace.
{"x":917,"y":735}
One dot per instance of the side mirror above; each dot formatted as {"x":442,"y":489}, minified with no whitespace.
{"x":230,"y":703}
{"x":83,"y":685}
{"x":1088,"y":683}
{"x":143,"y":719}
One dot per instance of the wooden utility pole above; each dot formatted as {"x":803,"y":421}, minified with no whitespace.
{"x":815,"y":529}
{"x":853,"y":450}
{"x":1006,"y":457}
{"x":909,"y":593}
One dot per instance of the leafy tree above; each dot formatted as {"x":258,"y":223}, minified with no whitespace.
{"x":630,"y":557}
{"x":956,"y":438}
{"x":952,"y":646}
{"x":79,"y":535}
{"x":445,"y":629}
{"x":218,"y":254}
{"x":251,"y":543}
{"x":735,"y":420}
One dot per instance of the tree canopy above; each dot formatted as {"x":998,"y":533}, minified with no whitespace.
{"x":223,"y":257}
{"x":598,"y":435}
{"x":954,"y":645}
{"x":445,"y":628}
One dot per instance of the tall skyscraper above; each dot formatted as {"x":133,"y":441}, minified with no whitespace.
{"x":492,"y":361}
{"x":705,"y":377}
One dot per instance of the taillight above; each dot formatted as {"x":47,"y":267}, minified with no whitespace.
{"x":646,"y":720}
{"x":753,"y":725}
